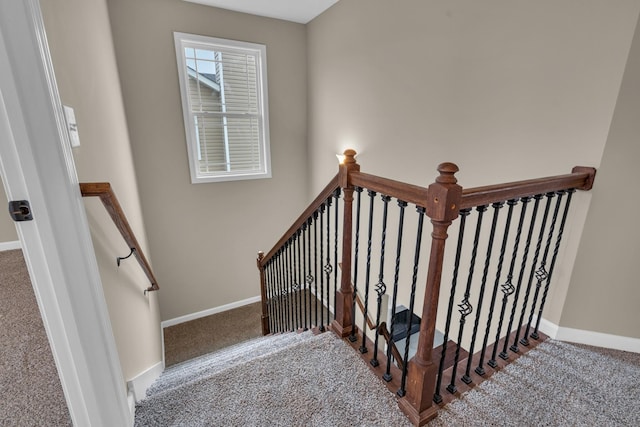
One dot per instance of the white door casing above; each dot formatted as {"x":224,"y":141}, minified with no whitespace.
{"x":37,"y":165}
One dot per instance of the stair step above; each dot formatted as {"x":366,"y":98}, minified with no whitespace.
{"x":206,"y":365}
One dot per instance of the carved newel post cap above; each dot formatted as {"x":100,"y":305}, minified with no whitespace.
{"x":447,"y":171}
{"x":260,"y":255}
{"x":349,"y":156}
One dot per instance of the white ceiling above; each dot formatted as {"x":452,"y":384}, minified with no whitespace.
{"x":301,"y":11}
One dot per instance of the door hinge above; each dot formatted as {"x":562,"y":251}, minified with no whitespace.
{"x":20,"y":210}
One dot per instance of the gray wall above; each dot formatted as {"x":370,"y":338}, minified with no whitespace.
{"x":204,"y":238}
{"x":605,"y":291}
{"x":84,"y":62}
{"x":7,"y":228}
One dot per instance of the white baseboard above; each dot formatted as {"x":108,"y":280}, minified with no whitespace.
{"x":596,"y":339}
{"x":8,"y":246}
{"x":208,"y":312}
{"x":140,"y":383}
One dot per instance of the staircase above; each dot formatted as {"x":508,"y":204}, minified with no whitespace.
{"x":286,"y":379}
{"x":367,"y":245}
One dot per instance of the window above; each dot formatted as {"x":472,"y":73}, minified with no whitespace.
{"x":224,"y":102}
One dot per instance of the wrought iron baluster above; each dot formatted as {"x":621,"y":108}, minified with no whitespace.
{"x":363,"y":347}
{"x":381,"y":288}
{"x":315,"y":263}
{"x":328,"y":268}
{"x":353,"y":337}
{"x":294,"y":283}
{"x":336,"y":196}
{"x":396,"y":276}
{"x":465,"y":307}
{"x":412,"y":299}
{"x":525,"y":255}
{"x":534,"y":272}
{"x":299,"y":280}
{"x":303,"y":277}
{"x":279,"y":290}
{"x":479,"y":370}
{"x":290,"y":300}
{"x":507,"y":287}
{"x":541,"y":273}
{"x":494,"y":294}
{"x":437,"y":397}
{"x":569,"y":192}
{"x":321,"y":296}
{"x":287,"y":284}
{"x":309,"y":277}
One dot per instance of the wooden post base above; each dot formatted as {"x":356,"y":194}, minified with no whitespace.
{"x":417,"y":418}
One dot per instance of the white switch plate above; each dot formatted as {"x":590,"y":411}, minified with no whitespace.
{"x":72,"y":126}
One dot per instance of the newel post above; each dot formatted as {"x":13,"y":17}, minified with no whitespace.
{"x":263,"y":293}
{"x":343,"y":323}
{"x":443,"y":203}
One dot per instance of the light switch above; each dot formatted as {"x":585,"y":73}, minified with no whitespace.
{"x":72,"y":126}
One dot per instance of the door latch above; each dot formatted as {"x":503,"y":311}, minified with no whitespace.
{"x":20,"y":210}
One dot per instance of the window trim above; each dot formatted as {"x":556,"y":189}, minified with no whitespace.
{"x":183,"y":40}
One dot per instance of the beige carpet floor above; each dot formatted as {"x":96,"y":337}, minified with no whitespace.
{"x":30,"y":390}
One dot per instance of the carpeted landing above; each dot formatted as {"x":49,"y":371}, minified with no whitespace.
{"x":318,"y":380}
{"x":282,"y":380}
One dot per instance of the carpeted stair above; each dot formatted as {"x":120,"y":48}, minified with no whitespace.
{"x":281,"y":380}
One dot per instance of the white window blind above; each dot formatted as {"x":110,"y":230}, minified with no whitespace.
{"x":224,"y":98}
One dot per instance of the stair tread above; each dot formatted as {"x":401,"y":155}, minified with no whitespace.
{"x":186,"y":372}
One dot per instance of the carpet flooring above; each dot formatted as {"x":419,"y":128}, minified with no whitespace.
{"x":555,"y":384}
{"x":283,"y":380}
{"x":302,"y":379}
{"x":211,"y":333}
{"x":30,"y":390}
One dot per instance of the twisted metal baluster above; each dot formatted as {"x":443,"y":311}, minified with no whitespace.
{"x":322,"y":210}
{"x":287,"y":284}
{"x":414,"y":279}
{"x":381,"y":288}
{"x":315,"y":262}
{"x":507,"y":288}
{"x":437,"y":397}
{"x":303,"y":277}
{"x":396,"y":277}
{"x":483,"y":282}
{"x":496,"y":285}
{"x":279,"y":289}
{"x":309,"y":277}
{"x":541,"y":273}
{"x":525,"y":255}
{"x":299,"y":281}
{"x":363,"y":347}
{"x":292,"y":297}
{"x":336,"y":196}
{"x":328,"y":268}
{"x":569,"y":192}
{"x":465,"y":307}
{"x":353,"y":337}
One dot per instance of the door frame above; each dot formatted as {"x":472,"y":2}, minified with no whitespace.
{"x":36,"y":164}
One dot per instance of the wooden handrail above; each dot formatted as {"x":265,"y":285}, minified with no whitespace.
{"x":407,"y":192}
{"x":381,"y":330}
{"x":322,"y":197}
{"x":581,"y":178}
{"x":110,"y":201}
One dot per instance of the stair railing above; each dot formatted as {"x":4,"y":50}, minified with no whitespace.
{"x":108,"y":198}
{"x":293,"y":287}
